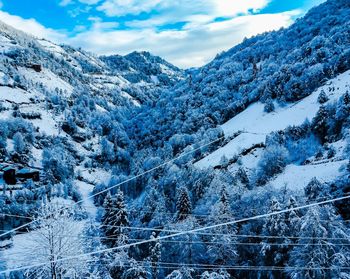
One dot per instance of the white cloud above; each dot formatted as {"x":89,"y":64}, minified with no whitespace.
{"x":182,"y":8}
{"x":31,"y":26}
{"x":185,"y":48}
{"x":64,"y":3}
{"x":194,"y":45}
{"x":124,"y":7}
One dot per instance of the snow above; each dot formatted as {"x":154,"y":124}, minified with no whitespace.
{"x":126,"y":95}
{"x":256,"y":124}
{"x":14,"y":95}
{"x":254,"y":119}
{"x":234,"y":147}
{"x":95,"y":176}
{"x":51,"y":46}
{"x":86,"y":191}
{"x":6,"y":44}
{"x":249,"y":162}
{"x":155,"y":79}
{"x":46,"y":124}
{"x":48,"y":79}
{"x":296,"y":177}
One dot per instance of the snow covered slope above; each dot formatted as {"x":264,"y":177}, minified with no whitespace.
{"x":254,"y":124}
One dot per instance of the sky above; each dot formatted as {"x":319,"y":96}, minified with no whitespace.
{"x":187,"y":33}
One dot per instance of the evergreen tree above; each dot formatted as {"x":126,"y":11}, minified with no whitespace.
{"x":269,"y":106}
{"x":155,"y":256}
{"x":135,"y":271}
{"x":343,"y":108}
{"x":183,"y":204}
{"x":222,"y":250}
{"x":293,"y":217}
{"x":114,"y":219}
{"x":183,"y":273}
{"x":320,"y":123}
{"x":274,"y":250}
{"x":242,"y":181}
{"x":322,"y":98}
{"x":222,"y":274}
{"x":313,"y":189}
{"x":19,"y":145}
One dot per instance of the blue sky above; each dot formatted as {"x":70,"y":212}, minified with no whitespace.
{"x":186,"y":32}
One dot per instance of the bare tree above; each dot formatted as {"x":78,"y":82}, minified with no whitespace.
{"x":56,"y":237}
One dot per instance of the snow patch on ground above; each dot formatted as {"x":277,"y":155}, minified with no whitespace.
{"x":234,"y":147}
{"x":256,"y":124}
{"x":49,"y":80}
{"x":14,"y":95}
{"x":86,"y":191}
{"x":296,"y":177}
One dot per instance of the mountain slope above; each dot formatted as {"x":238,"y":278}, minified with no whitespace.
{"x":264,"y":127}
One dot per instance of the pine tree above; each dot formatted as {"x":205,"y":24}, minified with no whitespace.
{"x":114,"y":219}
{"x":183,"y":204}
{"x":274,"y":255}
{"x":155,"y":256}
{"x":222,"y":274}
{"x":322,"y":98}
{"x":320,"y":123}
{"x":343,"y":108}
{"x":135,"y":271}
{"x":183,"y":273}
{"x":222,"y":251}
{"x":293,"y":217}
{"x":269,"y":106}
{"x":313,"y":189}
{"x":242,"y":181}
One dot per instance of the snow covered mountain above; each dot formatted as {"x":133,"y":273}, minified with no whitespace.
{"x":143,"y":66}
{"x":263,"y":127}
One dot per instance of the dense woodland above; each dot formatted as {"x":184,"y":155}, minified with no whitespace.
{"x":176,"y":115}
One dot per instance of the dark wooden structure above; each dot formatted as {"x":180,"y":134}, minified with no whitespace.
{"x":9,"y":175}
{"x":28,"y":174}
{"x":36,"y":67}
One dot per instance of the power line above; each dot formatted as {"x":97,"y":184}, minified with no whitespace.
{"x":193,"y":231}
{"x":216,"y":266}
{"x":226,"y":242}
{"x":17,"y":216}
{"x":225,"y":234}
{"x":124,"y":182}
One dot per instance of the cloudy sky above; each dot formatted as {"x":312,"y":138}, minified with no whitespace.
{"x":185,"y":32}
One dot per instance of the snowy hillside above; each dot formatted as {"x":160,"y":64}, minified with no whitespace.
{"x":254,"y":124}
{"x":128,"y":167}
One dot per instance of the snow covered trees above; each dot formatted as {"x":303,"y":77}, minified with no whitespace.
{"x":56,"y":237}
{"x":115,"y":222}
{"x":313,"y":190}
{"x":274,"y":250}
{"x":271,"y":163}
{"x":155,"y":256}
{"x":58,"y":164}
{"x":320,"y":252}
{"x":322,"y":98}
{"x":183,"y":204}
{"x":19,"y":145}
{"x":320,"y":123}
{"x":221,"y":248}
{"x":114,"y":219}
